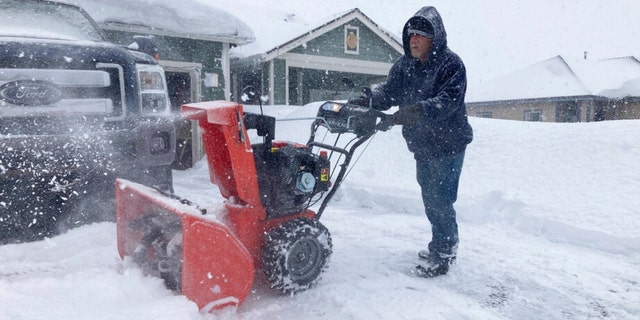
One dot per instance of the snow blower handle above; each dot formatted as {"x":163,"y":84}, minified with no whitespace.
{"x":363,"y":100}
{"x":351,"y":118}
{"x":386,"y":121}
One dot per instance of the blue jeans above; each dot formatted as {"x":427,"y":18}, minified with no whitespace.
{"x":438,"y":179}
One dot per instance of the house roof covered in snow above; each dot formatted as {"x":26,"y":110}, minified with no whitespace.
{"x":280,"y":31}
{"x":560,"y":76}
{"x":185,"y":19}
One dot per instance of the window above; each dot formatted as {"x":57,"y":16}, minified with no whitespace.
{"x":533,"y":115}
{"x":484,"y":114}
{"x":351,"y":39}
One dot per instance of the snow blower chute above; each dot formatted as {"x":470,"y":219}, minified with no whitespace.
{"x":265,"y":223}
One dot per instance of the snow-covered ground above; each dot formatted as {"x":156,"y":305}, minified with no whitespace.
{"x":548,"y":216}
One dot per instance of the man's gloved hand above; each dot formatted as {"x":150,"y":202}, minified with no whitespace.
{"x":385,"y":124}
{"x":408,"y":115}
{"x":362,"y":101}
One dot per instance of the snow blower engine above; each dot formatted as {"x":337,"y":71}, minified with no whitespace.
{"x":211,"y":255}
{"x":289,"y":175}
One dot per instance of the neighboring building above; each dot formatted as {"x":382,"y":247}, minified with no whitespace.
{"x":563,"y":90}
{"x":313,"y":63}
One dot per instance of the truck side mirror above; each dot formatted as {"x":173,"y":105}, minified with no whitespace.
{"x":145,"y":44}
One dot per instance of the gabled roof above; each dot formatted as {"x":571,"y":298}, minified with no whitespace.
{"x":288,"y":33}
{"x":611,"y":78}
{"x":184,"y":19}
{"x":565,"y":77}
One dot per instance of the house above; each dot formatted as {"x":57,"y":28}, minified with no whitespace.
{"x":562,"y":89}
{"x":297,"y":63}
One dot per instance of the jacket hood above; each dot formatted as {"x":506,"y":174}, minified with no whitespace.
{"x":431,"y":16}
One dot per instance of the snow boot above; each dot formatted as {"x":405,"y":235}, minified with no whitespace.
{"x":432,"y":265}
{"x":423,"y":254}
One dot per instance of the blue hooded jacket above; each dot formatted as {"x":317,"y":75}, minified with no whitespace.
{"x":438,"y":86}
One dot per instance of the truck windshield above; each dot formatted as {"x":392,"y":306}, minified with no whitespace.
{"x":44,"y":19}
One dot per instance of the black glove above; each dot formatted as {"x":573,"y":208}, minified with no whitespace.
{"x":385,"y":124}
{"x":362,"y":101}
{"x":408,"y":115}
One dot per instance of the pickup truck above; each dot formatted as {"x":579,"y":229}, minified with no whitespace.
{"x":76,"y":112}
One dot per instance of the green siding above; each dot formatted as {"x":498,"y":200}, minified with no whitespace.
{"x":280,"y":81}
{"x":331,"y":44}
{"x":294,"y":73}
{"x":208,"y":53}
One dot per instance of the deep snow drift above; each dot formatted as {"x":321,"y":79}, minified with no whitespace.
{"x":548,"y":217}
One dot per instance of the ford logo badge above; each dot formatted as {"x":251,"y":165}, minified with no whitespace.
{"x":30,"y":92}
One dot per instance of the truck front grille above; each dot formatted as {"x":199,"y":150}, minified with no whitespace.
{"x":52,"y":101}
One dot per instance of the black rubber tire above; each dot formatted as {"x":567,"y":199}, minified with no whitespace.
{"x":295,"y":254}
{"x":158,"y":255}
{"x":173,"y":277}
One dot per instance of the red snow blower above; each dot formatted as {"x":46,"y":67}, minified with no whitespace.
{"x":210,"y":255}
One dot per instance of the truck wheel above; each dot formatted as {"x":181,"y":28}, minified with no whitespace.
{"x":295,"y":254}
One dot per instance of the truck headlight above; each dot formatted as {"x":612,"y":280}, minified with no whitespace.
{"x":154,"y":99}
{"x":150,"y":80}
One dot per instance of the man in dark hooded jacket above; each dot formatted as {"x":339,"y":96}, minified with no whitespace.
{"x":428,"y":84}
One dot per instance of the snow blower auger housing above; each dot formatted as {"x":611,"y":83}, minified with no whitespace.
{"x":210,"y":255}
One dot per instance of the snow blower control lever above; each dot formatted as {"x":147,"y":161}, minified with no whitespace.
{"x":347,"y":118}
{"x":265,"y":222}
{"x":339,"y":118}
